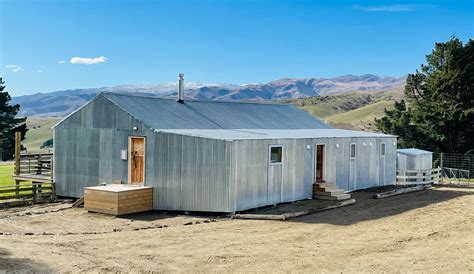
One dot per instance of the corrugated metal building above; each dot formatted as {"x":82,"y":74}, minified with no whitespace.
{"x":213,"y":156}
{"x":414,"y":159}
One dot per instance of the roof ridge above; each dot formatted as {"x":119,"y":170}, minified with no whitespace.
{"x":194,"y":100}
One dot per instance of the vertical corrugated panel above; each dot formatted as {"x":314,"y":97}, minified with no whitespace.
{"x":191,"y":174}
{"x":251,"y":174}
{"x":87,"y":147}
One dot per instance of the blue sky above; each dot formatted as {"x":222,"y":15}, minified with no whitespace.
{"x":52,"y":45}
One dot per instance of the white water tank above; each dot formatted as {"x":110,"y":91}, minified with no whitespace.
{"x":414,"y":159}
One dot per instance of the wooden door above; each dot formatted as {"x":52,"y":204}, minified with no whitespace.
{"x":319,"y":163}
{"x":136,"y":160}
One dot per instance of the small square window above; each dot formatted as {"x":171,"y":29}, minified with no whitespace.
{"x":275,"y":155}
{"x":353,"y":151}
{"x":382,"y":149}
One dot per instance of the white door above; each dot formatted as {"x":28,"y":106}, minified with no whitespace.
{"x":275,"y":172}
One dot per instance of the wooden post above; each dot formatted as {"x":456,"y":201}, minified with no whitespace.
{"x":53,"y":192}
{"x":51,"y":169}
{"x":35,"y":192}
{"x":17,"y":161}
{"x":39,"y":165}
{"x":441,"y":165}
{"x":17,"y":152}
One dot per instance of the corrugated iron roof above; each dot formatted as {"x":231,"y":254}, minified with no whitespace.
{"x":249,"y":134}
{"x":413,"y":151}
{"x":161,"y":113}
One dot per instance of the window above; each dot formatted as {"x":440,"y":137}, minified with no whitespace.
{"x":276,"y":154}
{"x":382,"y":149}
{"x":353,"y":151}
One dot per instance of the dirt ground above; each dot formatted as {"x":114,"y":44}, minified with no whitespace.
{"x":431,"y":230}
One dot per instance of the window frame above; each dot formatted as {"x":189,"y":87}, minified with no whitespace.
{"x":384,"y":149}
{"x":270,"y":155}
{"x":350,"y":151}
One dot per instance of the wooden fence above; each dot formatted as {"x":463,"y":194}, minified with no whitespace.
{"x":33,"y":177}
{"x":34,"y":164}
{"x":417,"y":177}
{"x":36,"y":192}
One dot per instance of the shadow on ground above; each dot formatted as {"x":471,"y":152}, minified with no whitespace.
{"x":368,"y":208}
{"x":23,"y":265}
{"x":157,"y":215}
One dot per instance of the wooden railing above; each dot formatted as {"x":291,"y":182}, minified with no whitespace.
{"x":34,"y":164}
{"x":33,"y":177}
{"x":37,"y":192}
{"x":416,"y":177}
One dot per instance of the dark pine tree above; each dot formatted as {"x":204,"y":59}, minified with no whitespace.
{"x":439,"y":114}
{"x":9,"y":124}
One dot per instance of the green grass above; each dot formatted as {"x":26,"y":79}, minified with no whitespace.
{"x":6,"y":172}
{"x":39,"y":131}
{"x":320,"y":111}
{"x":363,"y":117}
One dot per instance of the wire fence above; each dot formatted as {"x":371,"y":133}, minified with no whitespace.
{"x":455,"y":161}
{"x":455,"y":168}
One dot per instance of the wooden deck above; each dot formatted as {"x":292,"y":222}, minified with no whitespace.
{"x":118,"y":199}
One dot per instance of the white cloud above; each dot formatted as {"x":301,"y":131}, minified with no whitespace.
{"x":391,"y":8}
{"x":88,"y":61}
{"x":61,"y":62}
{"x":40,"y":70}
{"x":14,"y":68}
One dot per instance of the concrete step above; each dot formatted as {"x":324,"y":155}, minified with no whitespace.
{"x":329,"y":192}
{"x":338,"y":197}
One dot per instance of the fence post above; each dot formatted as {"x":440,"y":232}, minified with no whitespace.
{"x":17,"y":161}
{"x":53,"y":192}
{"x":39,"y":165}
{"x":35,"y":192}
{"x":441,"y":166}
{"x":52,"y":169}
{"x":17,"y":152}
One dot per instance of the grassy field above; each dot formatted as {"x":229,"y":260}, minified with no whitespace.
{"x":363,"y":117}
{"x":6,"y":171}
{"x":39,"y":131}
{"x":355,"y":110}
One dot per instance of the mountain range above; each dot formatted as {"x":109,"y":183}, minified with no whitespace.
{"x":61,"y":103}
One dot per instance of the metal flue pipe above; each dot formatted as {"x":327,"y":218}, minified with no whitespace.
{"x":181,"y":89}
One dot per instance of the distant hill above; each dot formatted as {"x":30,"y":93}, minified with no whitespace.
{"x":39,"y":130}
{"x":350,"y":102}
{"x":361,"y":118}
{"x":354,"y":110}
{"x":61,"y":103}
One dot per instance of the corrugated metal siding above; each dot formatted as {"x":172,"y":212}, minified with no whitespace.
{"x":415,"y":161}
{"x":250,"y":176}
{"x":190,"y":173}
{"x":162,"y":113}
{"x":204,"y":174}
{"x":87,"y":147}
{"x":187,"y":173}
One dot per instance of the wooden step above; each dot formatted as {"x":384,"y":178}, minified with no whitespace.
{"x":329,"y":192}
{"x":318,"y":189}
{"x":324,"y":185}
{"x":338,"y":197}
